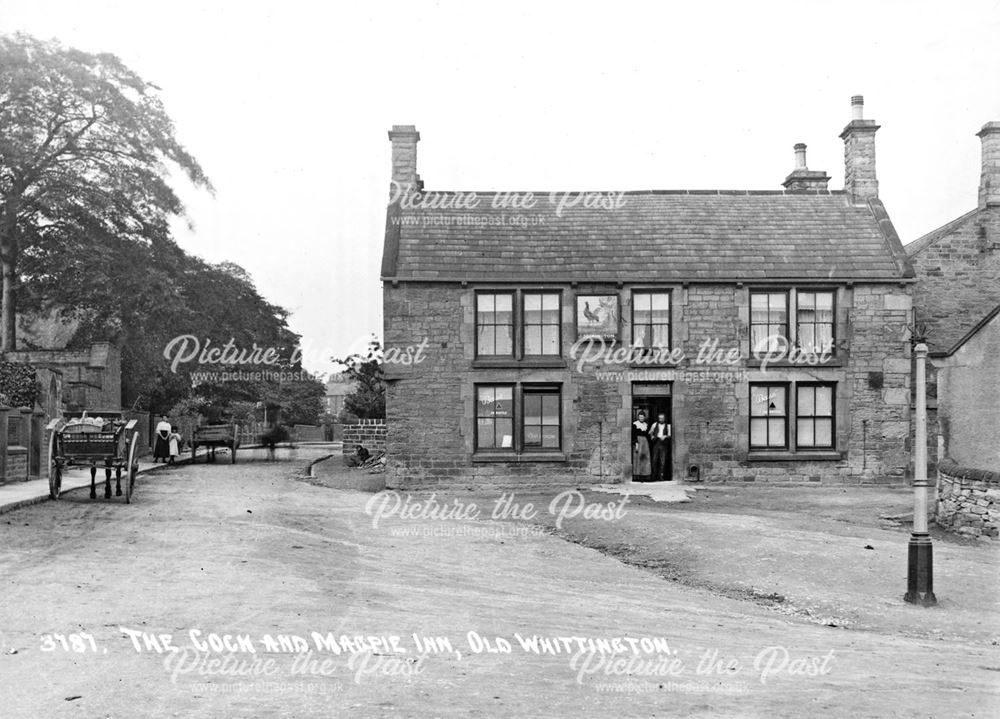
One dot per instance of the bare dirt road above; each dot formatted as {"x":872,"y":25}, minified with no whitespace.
{"x":224,"y":559}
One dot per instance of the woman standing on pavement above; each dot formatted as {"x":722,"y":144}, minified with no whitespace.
{"x":161,"y":440}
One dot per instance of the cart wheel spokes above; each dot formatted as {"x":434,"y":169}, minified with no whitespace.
{"x":133,"y":467}
{"x":55,"y":469}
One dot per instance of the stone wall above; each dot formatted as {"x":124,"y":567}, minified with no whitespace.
{"x":370,"y":433}
{"x":430,"y":406}
{"x":969,"y":400}
{"x":958,"y":278}
{"x":23,"y":440}
{"x":91,"y":378}
{"x":17,"y":464}
{"x":958,"y":282}
{"x":307,"y":433}
{"x":968,"y":500}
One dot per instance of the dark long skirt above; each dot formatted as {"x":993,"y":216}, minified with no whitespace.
{"x":641,"y":464}
{"x":161,"y":446}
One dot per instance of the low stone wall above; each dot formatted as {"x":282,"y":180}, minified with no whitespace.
{"x":370,"y":433}
{"x":307,"y":433}
{"x":968,"y":500}
{"x":17,"y":464}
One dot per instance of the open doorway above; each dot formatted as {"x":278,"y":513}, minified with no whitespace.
{"x":655,"y":464}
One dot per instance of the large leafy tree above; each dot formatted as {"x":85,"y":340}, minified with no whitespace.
{"x":86,"y":150}
{"x":367,"y":400}
{"x":173,"y":294}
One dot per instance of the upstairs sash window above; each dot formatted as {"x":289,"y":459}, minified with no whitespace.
{"x":768,"y":321}
{"x":495,"y":324}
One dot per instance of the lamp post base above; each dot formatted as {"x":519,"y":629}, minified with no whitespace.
{"x":920,"y":577}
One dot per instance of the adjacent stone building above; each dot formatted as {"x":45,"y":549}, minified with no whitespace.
{"x":770,"y":328}
{"x":89,"y":379}
{"x":956,"y":299}
{"x":957,"y":266}
{"x":968,"y":386}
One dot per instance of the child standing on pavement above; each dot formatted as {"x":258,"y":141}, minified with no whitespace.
{"x":175,"y":444}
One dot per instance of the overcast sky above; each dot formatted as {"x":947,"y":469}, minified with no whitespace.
{"x":287,"y":104}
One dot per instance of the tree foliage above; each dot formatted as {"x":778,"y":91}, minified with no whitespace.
{"x":18,"y":386}
{"x":86,"y":149}
{"x":367,"y":401}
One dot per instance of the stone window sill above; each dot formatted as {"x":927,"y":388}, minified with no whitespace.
{"x":526,"y":363}
{"x":511,"y":457}
{"x":837,"y":361}
{"x":803,"y":456}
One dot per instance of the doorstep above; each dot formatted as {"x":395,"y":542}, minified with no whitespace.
{"x":667,"y":492}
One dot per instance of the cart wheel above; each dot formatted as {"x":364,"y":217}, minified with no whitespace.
{"x":133,"y":467}
{"x":55,"y":469}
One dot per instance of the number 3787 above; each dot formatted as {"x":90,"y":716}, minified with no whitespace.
{"x":80,"y":642}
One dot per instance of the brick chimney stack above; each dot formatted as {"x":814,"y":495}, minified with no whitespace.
{"x":404,"y":140}
{"x":802,"y":179}
{"x":989,"y":180}
{"x":859,"y":154}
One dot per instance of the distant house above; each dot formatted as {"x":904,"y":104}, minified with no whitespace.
{"x":955,"y":298}
{"x":770,"y":328}
{"x":337,"y":388}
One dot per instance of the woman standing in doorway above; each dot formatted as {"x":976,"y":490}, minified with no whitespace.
{"x":641,"y":467}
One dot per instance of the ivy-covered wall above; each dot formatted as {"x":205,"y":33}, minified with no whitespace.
{"x":18,"y":385}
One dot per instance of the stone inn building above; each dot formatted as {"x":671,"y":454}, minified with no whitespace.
{"x":770,"y":328}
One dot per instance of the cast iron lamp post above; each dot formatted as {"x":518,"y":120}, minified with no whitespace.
{"x":920,"y":575}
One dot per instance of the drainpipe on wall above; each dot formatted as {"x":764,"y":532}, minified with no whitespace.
{"x":600,"y":450}
{"x":864,"y":446}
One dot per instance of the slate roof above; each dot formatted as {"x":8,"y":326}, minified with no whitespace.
{"x":654,"y":236}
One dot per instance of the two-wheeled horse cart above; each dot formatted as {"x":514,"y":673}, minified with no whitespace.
{"x":213,"y":436}
{"x":107,"y":441}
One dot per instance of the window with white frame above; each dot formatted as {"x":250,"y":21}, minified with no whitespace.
{"x":651,"y":319}
{"x":793,"y":416}
{"x":781,"y":319}
{"x":814,"y":420}
{"x":518,"y":418}
{"x":494,"y":324}
{"x":768,"y":416}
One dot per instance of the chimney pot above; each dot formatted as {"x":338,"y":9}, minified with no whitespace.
{"x":858,"y":107}
{"x":802,"y":179}
{"x":800,"y":156}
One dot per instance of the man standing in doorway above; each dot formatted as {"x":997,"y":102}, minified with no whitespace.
{"x":659,"y":443}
